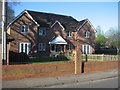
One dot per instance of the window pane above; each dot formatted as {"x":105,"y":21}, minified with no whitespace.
{"x":42,"y":46}
{"x":87,"y":34}
{"x":42,"y":31}
{"x":21,"y":47}
{"x":25,"y":48}
{"x":24,"y":28}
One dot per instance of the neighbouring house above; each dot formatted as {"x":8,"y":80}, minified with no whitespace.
{"x":47,"y":34}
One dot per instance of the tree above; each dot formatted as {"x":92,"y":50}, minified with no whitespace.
{"x":112,"y":37}
{"x":10,"y":14}
{"x":100,"y":40}
{"x":99,"y":30}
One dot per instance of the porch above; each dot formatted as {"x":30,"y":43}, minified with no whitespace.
{"x":58,"y":46}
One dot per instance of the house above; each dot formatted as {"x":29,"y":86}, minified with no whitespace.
{"x":50,"y":34}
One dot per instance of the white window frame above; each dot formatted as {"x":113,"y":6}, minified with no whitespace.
{"x":87,"y":34}
{"x":70,"y":46}
{"x":42,"y":47}
{"x":24,"y":43}
{"x":24,"y":28}
{"x":42,"y":31}
{"x":86,"y":49}
{"x":69,"y":33}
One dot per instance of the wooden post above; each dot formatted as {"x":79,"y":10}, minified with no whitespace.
{"x":78,"y":60}
{"x":64,"y":48}
{"x":50,"y":50}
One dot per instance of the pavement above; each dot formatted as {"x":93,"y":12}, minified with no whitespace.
{"x":61,"y":80}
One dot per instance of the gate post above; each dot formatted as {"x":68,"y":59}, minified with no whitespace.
{"x":78,"y":62}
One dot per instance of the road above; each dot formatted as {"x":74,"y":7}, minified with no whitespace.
{"x":105,"y":79}
{"x":103,"y":83}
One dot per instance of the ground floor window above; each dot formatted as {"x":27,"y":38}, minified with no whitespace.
{"x":86,"y":49}
{"x":42,"y":46}
{"x":69,"y":47}
{"x":24,"y":47}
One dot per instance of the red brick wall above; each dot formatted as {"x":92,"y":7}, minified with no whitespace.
{"x":99,"y":66}
{"x":37,"y":70}
{"x":58,"y":69}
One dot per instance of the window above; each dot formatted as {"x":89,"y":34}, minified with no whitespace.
{"x":69,"y":34}
{"x":24,"y":28}
{"x":86,"y":49}
{"x":42,"y":47}
{"x":42,"y":31}
{"x":69,"y":47}
{"x":24,"y":47}
{"x":87,"y":34}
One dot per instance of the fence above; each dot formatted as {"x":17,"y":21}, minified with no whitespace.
{"x":99,"y":57}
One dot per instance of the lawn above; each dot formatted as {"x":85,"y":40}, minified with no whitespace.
{"x":48,"y":59}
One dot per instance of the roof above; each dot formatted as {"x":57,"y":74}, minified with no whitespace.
{"x":49,"y":19}
{"x":68,"y":22}
{"x":58,"y":40}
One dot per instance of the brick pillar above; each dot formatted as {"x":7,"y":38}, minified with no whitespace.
{"x":78,"y":60}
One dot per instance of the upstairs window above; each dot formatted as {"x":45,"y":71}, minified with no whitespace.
{"x":42,"y":31}
{"x":24,"y":28}
{"x":87,"y":34}
{"x":42,"y":47}
{"x":69,"y":34}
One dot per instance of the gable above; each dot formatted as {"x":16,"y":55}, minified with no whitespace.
{"x":57,"y":22}
{"x":58,"y":40}
{"x":84,"y":23}
{"x":22,"y":14}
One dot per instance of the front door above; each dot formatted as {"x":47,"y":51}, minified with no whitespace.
{"x":24,"y":47}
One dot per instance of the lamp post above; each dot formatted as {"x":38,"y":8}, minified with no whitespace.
{"x":4,"y":29}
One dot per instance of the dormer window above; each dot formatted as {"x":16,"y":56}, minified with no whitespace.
{"x":87,"y":34}
{"x":42,"y":31}
{"x":24,"y":28}
{"x":69,"y":34}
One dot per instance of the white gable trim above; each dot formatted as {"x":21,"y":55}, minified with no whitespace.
{"x":58,"y":23}
{"x":81,"y":25}
{"x":32,"y":18}
{"x":92,"y":26}
{"x":25,"y":11}
{"x":84,"y":24}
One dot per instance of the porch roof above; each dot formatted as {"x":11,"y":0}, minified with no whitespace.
{"x":58,"y":40}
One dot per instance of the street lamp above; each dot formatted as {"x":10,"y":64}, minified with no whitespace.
{"x":4,"y":29}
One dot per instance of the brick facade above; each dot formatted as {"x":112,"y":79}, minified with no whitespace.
{"x":53,"y":28}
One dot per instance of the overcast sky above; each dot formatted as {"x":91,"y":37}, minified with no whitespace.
{"x":104,"y":14}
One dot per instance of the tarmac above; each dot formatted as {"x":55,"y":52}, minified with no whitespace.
{"x":61,"y":80}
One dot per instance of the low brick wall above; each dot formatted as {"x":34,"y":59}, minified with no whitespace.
{"x":58,"y":69}
{"x":36,"y":70}
{"x":100,"y":66}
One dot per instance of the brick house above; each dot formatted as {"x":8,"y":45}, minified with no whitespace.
{"x":50,"y":34}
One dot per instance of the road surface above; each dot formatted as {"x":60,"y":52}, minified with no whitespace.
{"x":103,"y":83}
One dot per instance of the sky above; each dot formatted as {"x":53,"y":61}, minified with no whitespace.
{"x":104,"y":14}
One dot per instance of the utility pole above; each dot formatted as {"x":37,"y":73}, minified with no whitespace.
{"x":4,"y":30}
